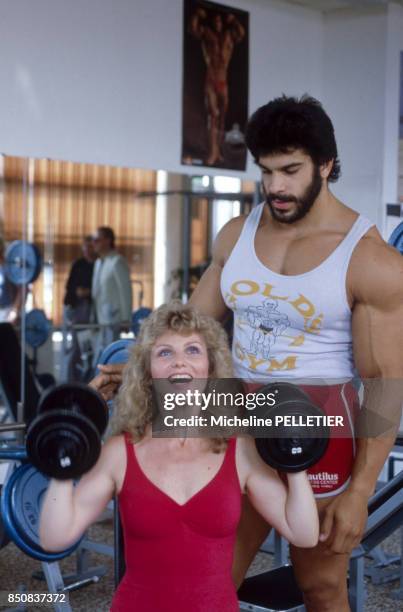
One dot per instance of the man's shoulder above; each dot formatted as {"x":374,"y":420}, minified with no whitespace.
{"x":228,"y":236}
{"x":372,"y":249}
{"x":119,"y":266}
{"x":376,"y":268}
{"x":84,"y":264}
{"x":78,"y":263}
{"x":233,"y":226}
{"x":116,"y":258}
{"x":226,"y":239}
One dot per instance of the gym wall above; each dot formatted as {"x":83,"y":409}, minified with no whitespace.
{"x":101,"y":82}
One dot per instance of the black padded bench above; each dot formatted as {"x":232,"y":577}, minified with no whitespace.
{"x":277,"y":589}
{"x":271,"y":591}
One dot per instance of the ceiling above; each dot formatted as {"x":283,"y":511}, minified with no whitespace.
{"x":331,"y":5}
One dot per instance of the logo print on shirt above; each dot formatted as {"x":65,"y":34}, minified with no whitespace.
{"x":268,"y":323}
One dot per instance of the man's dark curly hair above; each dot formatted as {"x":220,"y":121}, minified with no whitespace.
{"x":287,"y":123}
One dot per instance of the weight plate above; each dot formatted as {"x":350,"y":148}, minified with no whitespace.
{"x":63,"y":444}
{"x":277,"y":452}
{"x":396,"y":238}
{"x":9,"y":502}
{"x":76,"y":397}
{"x":26,"y":501}
{"x":37,"y":328}
{"x":23,"y":262}
{"x":138,"y":317}
{"x":284,"y":391}
{"x":117,"y":352}
{"x":293,"y":447}
{"x":4,"y":539}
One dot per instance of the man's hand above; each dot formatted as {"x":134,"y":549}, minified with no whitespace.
{"x":109,"y":380}
{"x":343,"y":521}
{"x":12,"y":316}
{"x":83,"y":292}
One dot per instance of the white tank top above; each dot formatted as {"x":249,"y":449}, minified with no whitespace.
{"x":290,"y":327}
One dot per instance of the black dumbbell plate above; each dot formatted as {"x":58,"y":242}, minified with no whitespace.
{"x":77,"y":397}
{"x":63,"y":444}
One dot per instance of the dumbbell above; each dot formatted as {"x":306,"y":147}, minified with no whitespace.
{"x":290,"y":448}
{"x":64,"y":439}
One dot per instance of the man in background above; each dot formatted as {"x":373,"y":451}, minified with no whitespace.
{"x":111,"y":289}
{"x":77,"y":307}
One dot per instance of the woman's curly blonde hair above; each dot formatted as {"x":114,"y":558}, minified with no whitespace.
{"x":134,"y":404}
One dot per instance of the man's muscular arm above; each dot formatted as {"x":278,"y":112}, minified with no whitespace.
{"x":377,"y":326}
{"x":236,"y":28}
{"x":378,"y":348}
{"x":207,"y":298}
{"x":196,"y":23}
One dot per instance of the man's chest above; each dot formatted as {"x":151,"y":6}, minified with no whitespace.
{"x":291,"y":256}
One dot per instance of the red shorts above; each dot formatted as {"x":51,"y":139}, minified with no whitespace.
{"x":217,"y":85}
{"x":331,"y":474}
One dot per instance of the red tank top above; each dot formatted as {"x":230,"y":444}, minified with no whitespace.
{"x":178,"y":557}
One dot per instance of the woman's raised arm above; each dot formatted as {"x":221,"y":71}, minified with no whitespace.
{"x":68,"y":511}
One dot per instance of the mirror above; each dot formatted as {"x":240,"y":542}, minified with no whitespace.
{"x":164,"y":226}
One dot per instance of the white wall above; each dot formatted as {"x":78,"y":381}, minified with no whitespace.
{"x":393,"y":148}
{"x":353,"y":80}
{"x":286,"y":49}
{"x":101,"y":81}
{"x":361,"y":94}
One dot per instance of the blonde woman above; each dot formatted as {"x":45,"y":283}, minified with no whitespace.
{"x":179,"y":498}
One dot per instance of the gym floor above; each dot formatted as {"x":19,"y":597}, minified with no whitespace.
{"x":16,"y":571}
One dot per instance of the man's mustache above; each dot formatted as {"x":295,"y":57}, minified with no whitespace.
{"x":280,"y":198}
